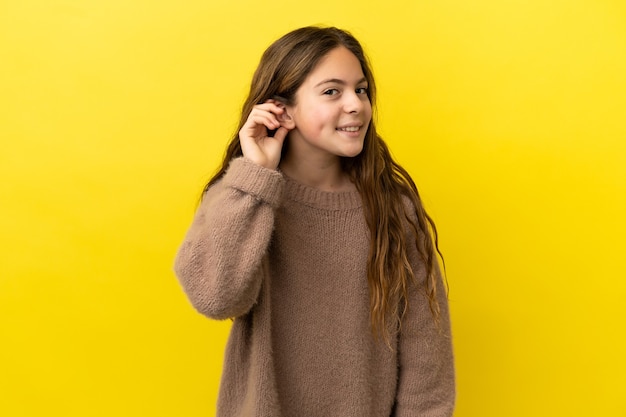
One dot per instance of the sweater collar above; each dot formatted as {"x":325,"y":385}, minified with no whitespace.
{"x":325,"y":200}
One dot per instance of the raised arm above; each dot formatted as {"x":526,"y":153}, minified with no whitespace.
{"x":219,"y":263}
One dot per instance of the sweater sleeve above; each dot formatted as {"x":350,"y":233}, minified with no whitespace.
{"x":219,"y":262}
{"x":426,"y":385}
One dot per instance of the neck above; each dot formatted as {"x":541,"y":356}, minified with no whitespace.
{"x":324,"y":174}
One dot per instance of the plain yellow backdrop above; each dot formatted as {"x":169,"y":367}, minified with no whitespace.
{"x":510,"y":115}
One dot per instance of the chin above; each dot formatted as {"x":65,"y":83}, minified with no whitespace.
{"x":352,"y":152}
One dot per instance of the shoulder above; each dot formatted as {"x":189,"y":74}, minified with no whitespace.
{"x":416,"y":224}
{"x":409,"y":207}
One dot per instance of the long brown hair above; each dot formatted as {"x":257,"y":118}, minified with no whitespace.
{"x":383,"y":185}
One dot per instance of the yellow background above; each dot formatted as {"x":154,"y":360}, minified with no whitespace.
{"x":510,"y":115}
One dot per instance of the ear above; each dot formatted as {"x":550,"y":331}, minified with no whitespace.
{"x":285,"y":118}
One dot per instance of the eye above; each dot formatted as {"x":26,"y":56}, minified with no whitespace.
{"x":331,"y":92}
{"x":361,"y":90}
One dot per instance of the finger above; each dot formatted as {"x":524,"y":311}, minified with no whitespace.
{"x":271,"y":106}
{"x":265,"y":119}
{"x":267,"y":111}
{"x":281,"y":134}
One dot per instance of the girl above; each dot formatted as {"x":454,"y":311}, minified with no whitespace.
{"x":316,"y":243}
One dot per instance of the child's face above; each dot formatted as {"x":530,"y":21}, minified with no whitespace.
{"x":332,"y":111}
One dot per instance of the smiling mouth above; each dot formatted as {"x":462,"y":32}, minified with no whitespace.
{"x":349,"y":129}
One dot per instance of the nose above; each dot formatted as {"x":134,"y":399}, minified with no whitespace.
{"x":354,"y":102}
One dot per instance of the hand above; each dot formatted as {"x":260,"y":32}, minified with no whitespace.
{"x":256,"y":144}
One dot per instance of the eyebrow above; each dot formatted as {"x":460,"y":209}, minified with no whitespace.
{"x":338,"y":81}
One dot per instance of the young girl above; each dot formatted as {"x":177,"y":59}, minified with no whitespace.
{"x":316,"y":243}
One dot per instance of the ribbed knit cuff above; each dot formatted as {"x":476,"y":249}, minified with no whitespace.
{"x":263,"y":183}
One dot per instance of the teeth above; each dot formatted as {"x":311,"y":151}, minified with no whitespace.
{"x":349,"y":129}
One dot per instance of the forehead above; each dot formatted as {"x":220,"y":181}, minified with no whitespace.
{"x":341,"y":64}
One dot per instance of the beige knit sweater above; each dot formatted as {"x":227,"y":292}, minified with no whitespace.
{"x":288,"y":262}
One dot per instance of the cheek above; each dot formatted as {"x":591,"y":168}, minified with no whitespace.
{"x":319,"y":118}
{"x":314,"y":118}
{"x":368,"y":110}
{"x":327,"y":118}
